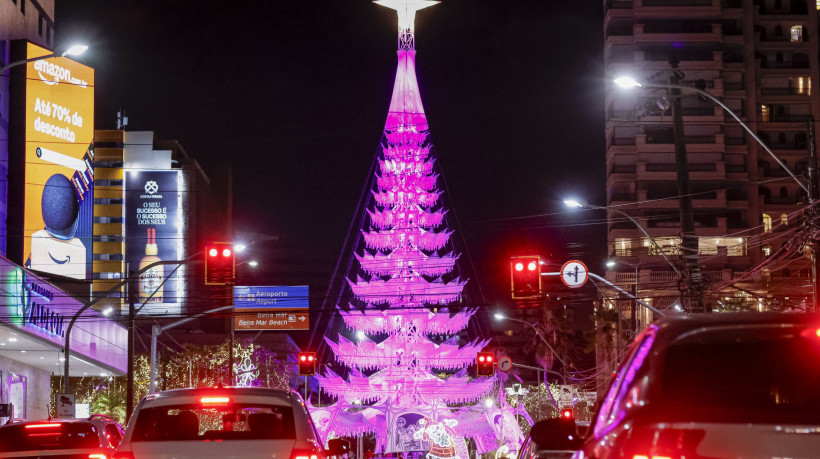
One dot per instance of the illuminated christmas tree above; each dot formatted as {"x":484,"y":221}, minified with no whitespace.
{"x":403,"y":289}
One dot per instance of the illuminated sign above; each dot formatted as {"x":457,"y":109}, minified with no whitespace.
{"x":153,"y":231}
{"x":271,"y":307}
{"x":35,"y":308}
{"x":59,"y":165}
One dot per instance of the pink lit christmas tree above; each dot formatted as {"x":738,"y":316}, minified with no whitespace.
{"x":402,"y":289}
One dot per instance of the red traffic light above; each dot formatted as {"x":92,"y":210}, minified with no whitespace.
{"x":525,"y":277}
{"x":220,"y":270}
{"x":307,"y":363}
{"x":484,"y":364}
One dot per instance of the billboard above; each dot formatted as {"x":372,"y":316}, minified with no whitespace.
{"x":153,"y":233}
{"x":271,"y":307}
{"x":59,"y":165}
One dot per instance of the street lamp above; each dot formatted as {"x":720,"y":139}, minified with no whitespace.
{"x":629,"y":82}
{"x":810,"y":189}
{"x":634,"y":312}
{"x":73,"y":50}
{"x":577,"y":204}
{"x":499,"y":316}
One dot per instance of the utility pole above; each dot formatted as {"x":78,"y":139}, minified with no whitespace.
{"x":129,"y":387}
{"x":692,"y":286}
{"x":812,"y":214}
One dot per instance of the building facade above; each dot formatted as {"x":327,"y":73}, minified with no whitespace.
{"x":760,"y":58}
{"x":152,"y":202}
{"x":31,"y":20}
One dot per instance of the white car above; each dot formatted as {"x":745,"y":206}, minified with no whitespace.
{"x":221,"y":422}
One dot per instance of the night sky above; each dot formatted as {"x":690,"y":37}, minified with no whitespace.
{"x":294,"y":95}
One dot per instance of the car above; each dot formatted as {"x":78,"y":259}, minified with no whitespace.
{"x":714,"y":386}
{"x":550,"y":439}
{"x":224,"y":422}
{"x":96,"y":437}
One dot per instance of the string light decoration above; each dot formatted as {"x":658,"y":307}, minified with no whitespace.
{"x":402,"y":283}
{"x":195,"y":366}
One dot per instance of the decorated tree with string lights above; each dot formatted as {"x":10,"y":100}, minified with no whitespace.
{"x":404,"y":287}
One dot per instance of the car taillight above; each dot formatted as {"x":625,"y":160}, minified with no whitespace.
{"x":306,"y":454}
{"x":50,"y":425}
{"x":97,"y":456}
{"x":214,"y":400}
{"x":664,"y":443}
{"x":123,"y":455}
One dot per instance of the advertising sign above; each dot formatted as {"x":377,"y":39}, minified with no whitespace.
{"x":59,"y":165}
{"x":271,"y":308}
{"x":153,"y":231}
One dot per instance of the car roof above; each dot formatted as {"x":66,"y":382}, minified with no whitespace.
{"x":670,"y":328}
{"x":251,"y":394}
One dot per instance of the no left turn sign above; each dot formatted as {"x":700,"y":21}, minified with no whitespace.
{"x":574,"y":274}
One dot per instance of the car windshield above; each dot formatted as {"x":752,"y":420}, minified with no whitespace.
{"x":767,"y":376}
{"x":235,"y":421}
{"x":48,"y":436}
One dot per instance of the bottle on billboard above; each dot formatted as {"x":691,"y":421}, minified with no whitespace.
{"x":151,"y":279}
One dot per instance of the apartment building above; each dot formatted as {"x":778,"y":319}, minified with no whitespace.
{"x":760,"y":58}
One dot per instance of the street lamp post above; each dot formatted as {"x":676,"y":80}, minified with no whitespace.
{"x":74,"y":50}
{"x":499,"y":316}
{"x":574,"y":203}
{"x":634,"y":312}
{"x":810,"y":189}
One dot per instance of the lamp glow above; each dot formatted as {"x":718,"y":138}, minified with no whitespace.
{"x":498,"y":316}
{"x":572,"y":203}
{"x":240,"y":247}
{"x":253,"y":263}
{"x":627,"y":82}
{"x":489,"y":403}
{"x":610,"y":264}
{"x":75,"y":50}
{"x":107,"y":311}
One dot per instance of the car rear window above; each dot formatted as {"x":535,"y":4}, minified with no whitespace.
{"x":234,"y":421}
{"x":48,"y":436}
{"x":767,"y":376}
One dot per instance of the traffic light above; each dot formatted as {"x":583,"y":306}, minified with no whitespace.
{"x":485,"y":364}
{"x":220,"y":264}
{"x":567,"y":414}
{"x":307,"y":363}
{"x":525,"y":277}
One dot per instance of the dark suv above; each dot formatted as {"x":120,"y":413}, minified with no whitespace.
{"x":91,"y":438}
{"x":714,"y":386}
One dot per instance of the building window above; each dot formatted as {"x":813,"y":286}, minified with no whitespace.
{"x":797,"y":33}
{"x":623,"y":247}
{"x":764,"y":111}
{"x":767,"y":223}
{"x":40,"y":26}
{"x":778,"y":30}
{"x":23,"y":6}
{"x":767,"y":250}
{"x":669,"y":245}
{"x":784,"y":219}
{"x":801,"y":85}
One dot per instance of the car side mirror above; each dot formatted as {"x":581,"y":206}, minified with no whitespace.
{"x":337,"y":447}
